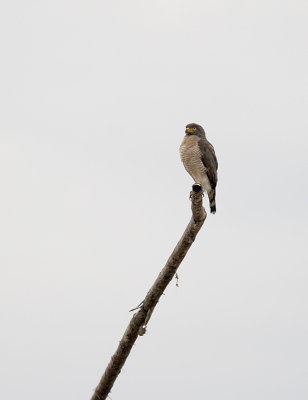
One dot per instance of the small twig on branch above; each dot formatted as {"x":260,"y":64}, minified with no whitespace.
{"x":177,"y":279}
{"x":136,"y":308}
{"x":137,"y":325}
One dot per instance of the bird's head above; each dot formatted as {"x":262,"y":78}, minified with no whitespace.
{"x":194,"y":129}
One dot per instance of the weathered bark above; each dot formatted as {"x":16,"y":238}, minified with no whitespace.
{"x":137,"y":325}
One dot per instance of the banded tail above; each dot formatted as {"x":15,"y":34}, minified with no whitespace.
{"x":212,"y":195}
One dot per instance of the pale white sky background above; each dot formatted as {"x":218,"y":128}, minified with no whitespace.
{"x":95,"y":96}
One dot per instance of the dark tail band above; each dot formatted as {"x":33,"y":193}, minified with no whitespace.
{"x":212,"y":196}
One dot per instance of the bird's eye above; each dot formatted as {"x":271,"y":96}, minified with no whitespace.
{"x":194,"y":128}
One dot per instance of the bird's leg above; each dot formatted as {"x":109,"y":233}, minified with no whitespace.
{"x":201,"y":189}
{"x":200,"y":183}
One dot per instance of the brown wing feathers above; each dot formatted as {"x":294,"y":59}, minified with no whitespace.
{"x":209,"y":160}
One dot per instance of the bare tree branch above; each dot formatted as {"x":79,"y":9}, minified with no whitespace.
{"x":137,"y":325}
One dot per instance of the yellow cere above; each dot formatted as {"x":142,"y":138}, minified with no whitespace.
{"x":191,"y":129}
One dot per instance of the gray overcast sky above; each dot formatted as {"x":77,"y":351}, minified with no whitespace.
{"x":95,"y":96}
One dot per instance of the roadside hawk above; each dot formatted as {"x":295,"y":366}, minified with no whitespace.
{"x":199,"y":159}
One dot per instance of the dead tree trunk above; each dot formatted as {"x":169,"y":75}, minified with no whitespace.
{"x":137,"y":325}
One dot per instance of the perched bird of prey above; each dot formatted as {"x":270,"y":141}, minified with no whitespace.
{"x":199,"y":159}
